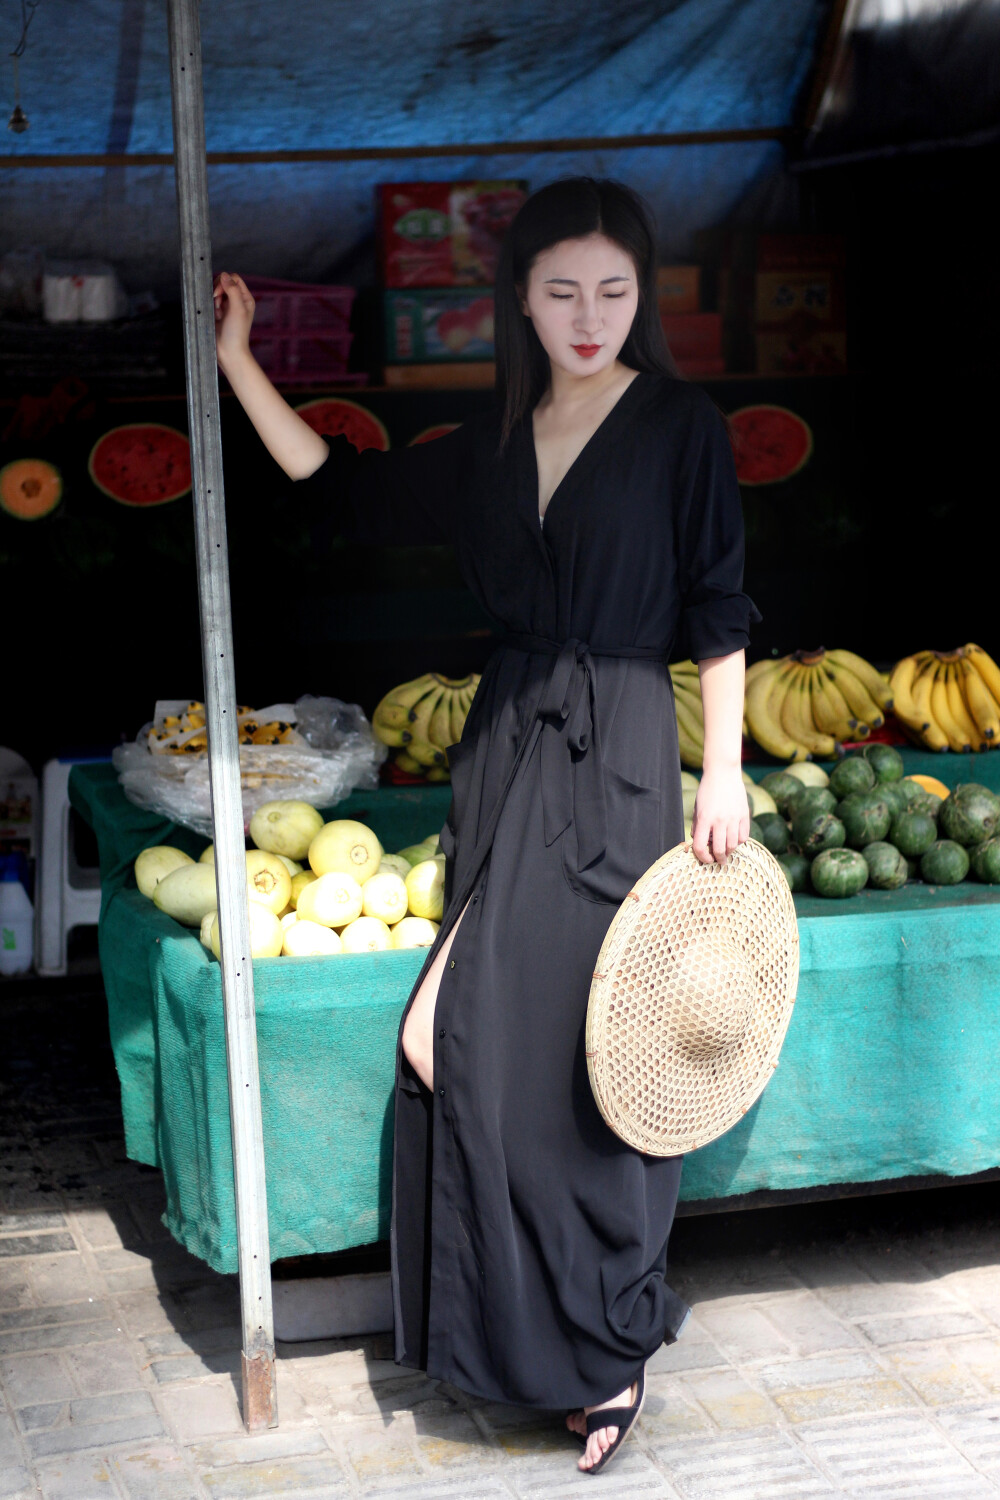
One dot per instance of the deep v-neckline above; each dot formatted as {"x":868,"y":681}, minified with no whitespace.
{"x":599,"y":431}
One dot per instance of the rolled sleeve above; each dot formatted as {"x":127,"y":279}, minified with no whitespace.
{"x":716,"y":614}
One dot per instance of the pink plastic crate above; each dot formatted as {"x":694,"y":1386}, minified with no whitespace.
{"x":289,"y":358}
{"x":288,"y":306}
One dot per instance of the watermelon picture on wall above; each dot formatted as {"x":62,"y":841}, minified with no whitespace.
{"x":770,"y":443}
{"x":142,"y":464}
{"x":30,"y":488}
{"x":430,"y":433}
{"x":337,"y":416}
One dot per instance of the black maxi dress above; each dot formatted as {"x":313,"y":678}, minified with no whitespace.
{"x":528,"y":1242}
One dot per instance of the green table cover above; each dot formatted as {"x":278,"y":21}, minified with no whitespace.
{"x":887,"y":1071}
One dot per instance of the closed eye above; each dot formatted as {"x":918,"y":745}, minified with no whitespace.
{"x":565,"y":296}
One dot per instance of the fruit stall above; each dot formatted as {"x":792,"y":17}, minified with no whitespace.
{"x":891,"y":852}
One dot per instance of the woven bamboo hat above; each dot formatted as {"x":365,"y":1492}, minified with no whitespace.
{"x":691,"y":998}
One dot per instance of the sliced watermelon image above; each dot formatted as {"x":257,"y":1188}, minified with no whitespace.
{"x":30,"y":488}
{"x":430,"y":433}
{"x":770,"y":443}
{"x":335,"y":416}
{"x":142,"y":463}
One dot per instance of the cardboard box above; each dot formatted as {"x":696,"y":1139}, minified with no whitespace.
{"x":693,"y":336}
{"x":678,"y":289}
{"x":471,"y":375}
{"x":449,"y":323}
{"x":801,"y":351}
{"x":442,"y":234}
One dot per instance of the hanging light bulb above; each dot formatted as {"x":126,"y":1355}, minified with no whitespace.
{"x":18,"y":121}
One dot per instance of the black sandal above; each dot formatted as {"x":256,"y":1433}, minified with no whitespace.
{"x":622,"y":1417}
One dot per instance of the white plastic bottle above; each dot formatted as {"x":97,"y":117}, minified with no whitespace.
{"x":17,"y":919}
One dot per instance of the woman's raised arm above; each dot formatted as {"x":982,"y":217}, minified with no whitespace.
{"x":291,"y":442}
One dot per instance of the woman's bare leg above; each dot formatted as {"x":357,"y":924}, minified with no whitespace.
{"x":418,"y":1032}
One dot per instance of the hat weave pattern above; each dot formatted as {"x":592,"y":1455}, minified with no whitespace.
{"x":691,"y":998}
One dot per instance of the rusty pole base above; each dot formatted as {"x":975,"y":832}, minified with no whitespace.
{"x":260,"y":1399}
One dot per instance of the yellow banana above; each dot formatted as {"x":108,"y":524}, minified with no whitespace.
{"x":407,"y":693}
{"x":866,"y":674}
{"x":390,"y":735}
{"x":797,"y":719}
{"x":426,"y":753}
{"x":440,"y":727}
{"x":457,"y":716}
{"x":982,"y":705}
{"x":930,"y":731}
{"x":439,"y":773}
{"x":420,"y":715}
{"x":986,"y":667}
{"x":686,"y":720}
{"x":691,"y":752}
{"x":860,"y":701}
{"x":904,"y":675}
{"x":763,"y":706}
{"x":683,"y":669}
{"x":831,"y":714}
{"x":941,"y":712}
{"x":692,"y":701}
{"x":405,"y":762}
{"x":959,"y":709}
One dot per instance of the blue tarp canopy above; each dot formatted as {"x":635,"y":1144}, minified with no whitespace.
{"x":315,"y":75}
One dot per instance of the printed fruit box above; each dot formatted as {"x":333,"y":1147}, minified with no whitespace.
{"x":446,"y":324}
{"x":442,"y":234}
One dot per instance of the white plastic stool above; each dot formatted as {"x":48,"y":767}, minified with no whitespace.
{"x":67,"y":896}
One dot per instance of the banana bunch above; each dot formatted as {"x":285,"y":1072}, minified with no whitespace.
{"x":422,"y":718}
{"x":690,"y":715}
{"x":807,"y":704}
{"x":950,"y":699}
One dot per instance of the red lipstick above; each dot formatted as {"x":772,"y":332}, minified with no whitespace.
{"x":586,"y":350}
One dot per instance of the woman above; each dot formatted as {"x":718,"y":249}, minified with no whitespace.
{"x":595,"y":514}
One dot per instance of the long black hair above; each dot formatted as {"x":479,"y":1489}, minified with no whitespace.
{"x":569,"y":209}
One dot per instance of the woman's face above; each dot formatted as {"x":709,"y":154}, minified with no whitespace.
{"x":581,"y":297}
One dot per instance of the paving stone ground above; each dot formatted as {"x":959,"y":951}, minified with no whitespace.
{"x":845,"y":1349}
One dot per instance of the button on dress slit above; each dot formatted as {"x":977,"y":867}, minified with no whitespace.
{"x":528,"y":1242}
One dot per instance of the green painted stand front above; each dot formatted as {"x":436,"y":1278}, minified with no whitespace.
{"x":888,"y":1070}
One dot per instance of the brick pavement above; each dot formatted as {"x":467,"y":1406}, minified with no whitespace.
{"x":835,"y":1350}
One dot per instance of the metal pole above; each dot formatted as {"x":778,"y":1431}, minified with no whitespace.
{"x":259,"y":1396}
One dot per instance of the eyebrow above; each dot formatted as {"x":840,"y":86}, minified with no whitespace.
{"x":567,"y":281}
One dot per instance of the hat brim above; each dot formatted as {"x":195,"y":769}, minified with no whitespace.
{"x":651,"y":1085}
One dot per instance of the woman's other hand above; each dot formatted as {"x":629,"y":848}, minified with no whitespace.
{"x":234,"y":308}
{"x":721,"y":815}
{"x":721,"y":811}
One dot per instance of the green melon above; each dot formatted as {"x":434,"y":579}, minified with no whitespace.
{"x":796,"y":868}
{"x":783,"y":788}
{"x":866,"y":817}
{"x":812,"y":799}
{"x":773,"y":832}
{"x":852,"y":774}
{"x":985,"y":861}
{"x":944,"y":863}
{"x":887,"y":868}
{"x":755,"y":831}
{"x":910,"y":791}
{"x":839,"y":872}
{"x":816,"y":831}
{"x":913,"y":833}
{"x":971,"y":814}
{"x":890,"y":792}
{"x":886,"y":762}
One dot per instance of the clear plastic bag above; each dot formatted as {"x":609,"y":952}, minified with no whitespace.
{"x":335,"y":753}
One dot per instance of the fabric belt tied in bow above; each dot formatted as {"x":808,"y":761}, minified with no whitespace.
{"x":571,"y":755}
